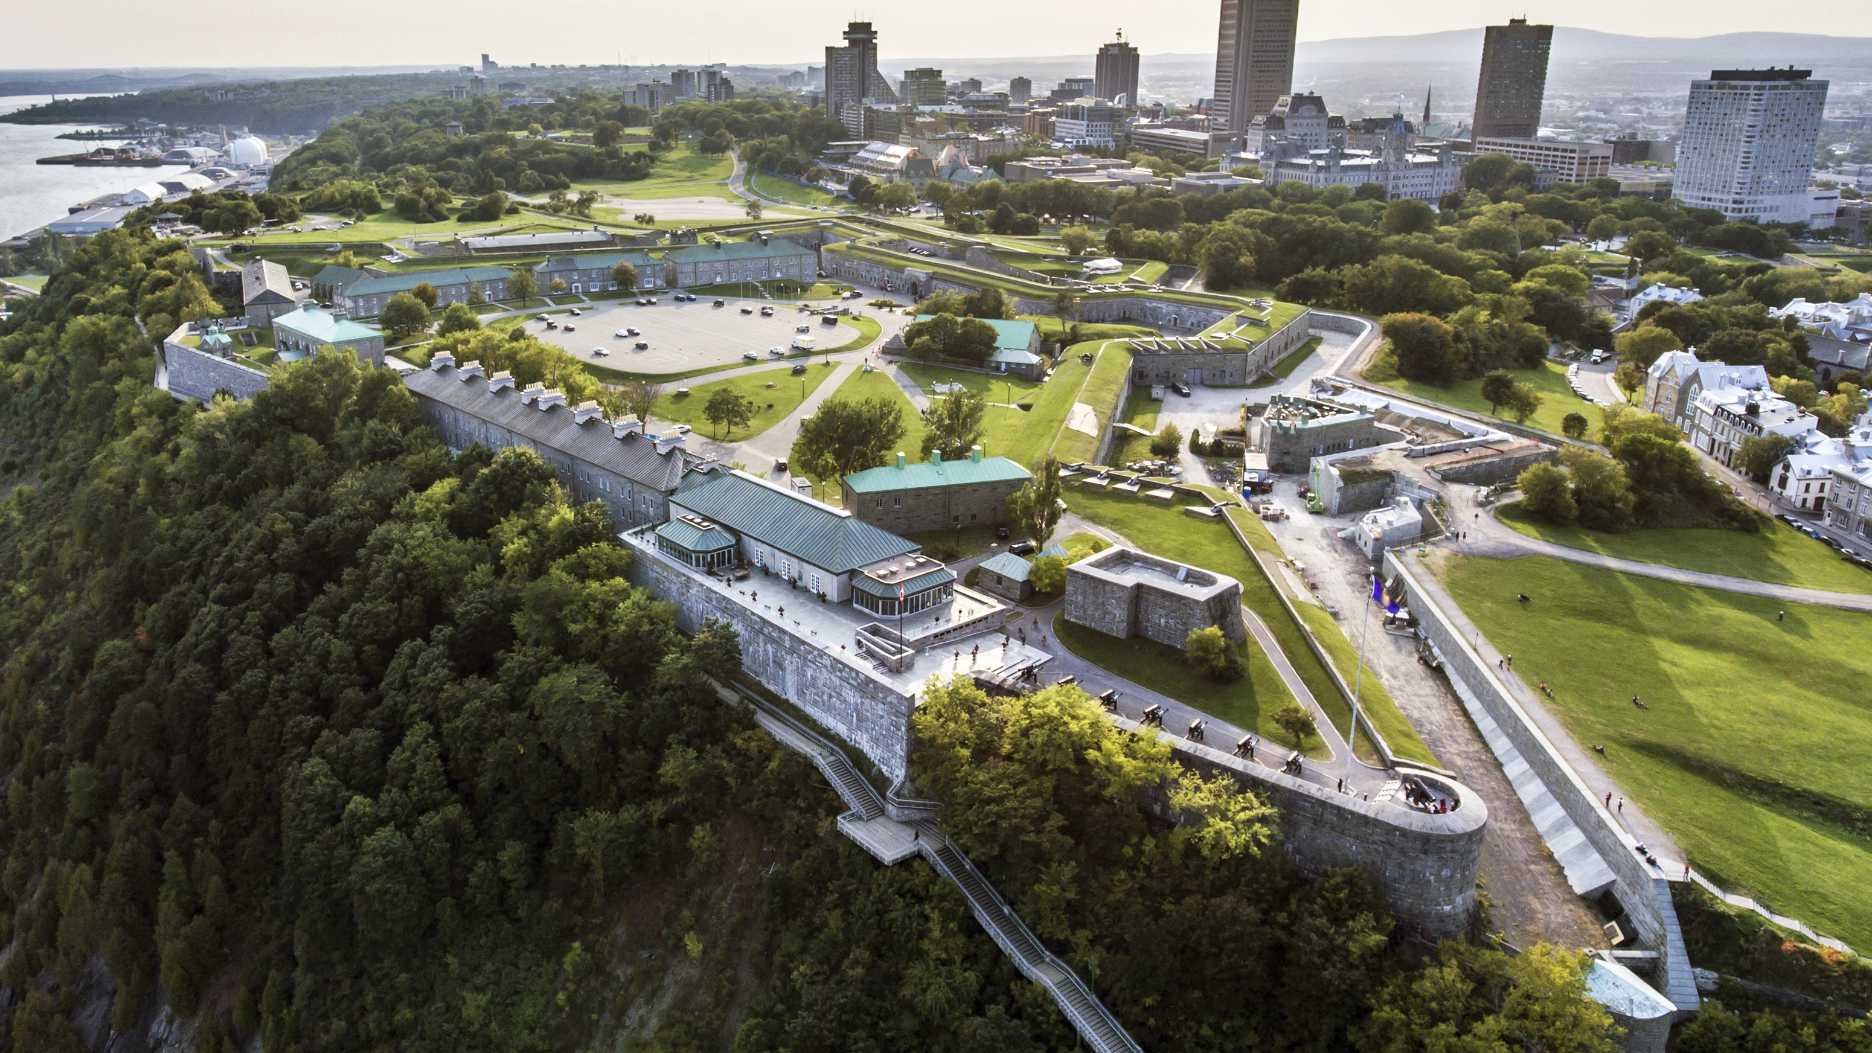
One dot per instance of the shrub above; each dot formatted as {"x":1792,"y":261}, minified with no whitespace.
{"x":1213,"y":654}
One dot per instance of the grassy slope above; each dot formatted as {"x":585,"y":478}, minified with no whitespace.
{"x":1250,"y":703}
{"x":679,"y":173}
{"x":787,"y":190}
{"x":775,"y":393}
{"x":1752,"y":750}
{"x":1168,"y":532}
{"x":387,"y":225}
{"x":1776,"y":554}
{"x":1100,"y":391}
{"x":1141,"y":411}
{"x":1557,"y":399}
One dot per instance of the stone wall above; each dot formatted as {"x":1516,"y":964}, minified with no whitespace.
{"x":836,"y":691}
{"x":1292,"y":447}
{"x":1641,"y":889}
{"x":926,"y":509}
{"x":1492,"y":470}
{"x":1426,"y":864}
{"x":191,"y":373}
{"x":1101,"y":595}
{"x":1220,"y":368}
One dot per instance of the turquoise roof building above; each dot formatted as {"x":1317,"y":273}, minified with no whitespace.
{"x":1017,"y":346}
{"x":301,"y":333}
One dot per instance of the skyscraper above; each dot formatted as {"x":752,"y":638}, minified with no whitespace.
{"x":682,"y":83}
{"x":852,"y":76}
{"x":1020,"y":89}
{"x":1514,"y":80}
{"x":1748,"y":144}
{"x":1254,"y":59}
{"x":924,"y":86}
{"x":1116,"y":74}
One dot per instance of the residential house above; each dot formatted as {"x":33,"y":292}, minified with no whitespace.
{"x":1804,"y":478}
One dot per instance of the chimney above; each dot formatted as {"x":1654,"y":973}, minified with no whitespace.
{"x":626,"y":427}
{"x":470,"y":370}
{"x":666,"y":443}
{"x":975,"y":454}
{"x":531,"y":393}
{"x":441,"y":361}
{"x":586,"y":411}
{"x":551,"y":397}
{"x":935,"y":456}
{"x":901,"y":459}
{"x":501,"y":381}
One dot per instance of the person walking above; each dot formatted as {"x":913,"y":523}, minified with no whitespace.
{"x":1621,"y":806}
{"x":1608,"y":799}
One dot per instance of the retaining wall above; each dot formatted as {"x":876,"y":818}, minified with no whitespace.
{"x":1642,"y":890}
{"x":188,"y":372}
{"x":835,"y":691}
{"x":1425,"y":863}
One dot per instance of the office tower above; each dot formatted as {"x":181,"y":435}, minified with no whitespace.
{"x":1748,"y":144}
{"x":1254,"y":59}
{"x":924,"y":86}
{"x":682,"y":84}
{"x":1116,"y":73}
{"x":1514,"y":80}
{"x":968,"y":86}
{"x":1020,"y":89}
{"x":852,"y":77}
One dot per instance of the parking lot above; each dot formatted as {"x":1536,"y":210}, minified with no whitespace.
{"x":683,"y":336}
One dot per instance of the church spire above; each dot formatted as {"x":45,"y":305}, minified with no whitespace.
{"x":1425,"y":129}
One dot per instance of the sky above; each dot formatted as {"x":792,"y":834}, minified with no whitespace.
{"x":107,"y":33}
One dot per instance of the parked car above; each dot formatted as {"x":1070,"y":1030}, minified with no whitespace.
{"x":550,"y":324}
{"x":631,"y":330}
{"x":828,"y":320}
{"x":766,"y":312}
{"x":780,"y":466}
{"x":642,"y":345}
{"x":1181,"y":389}
{"x":747,"y":310}
{"x":680,"y":429}
{"x":1022,"y":548}
{"x":599,"y":352}
{"x":721,"y":303}
{"x":570,"y":328}
{"x":802,"y":328}
{"x":750,"y":356}
{"x":799,"y":368}
{"x":575,"y":312}
{"x":622,"y":333}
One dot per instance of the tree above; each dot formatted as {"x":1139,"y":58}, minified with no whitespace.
{"x":715,"y":143}
{"x":1035,"y":507}
{"x":953,"y":424}
{"x":1168,"y":441}
{"x":1601,"y":489}
{"x":1497,"y":388}
{"x":624,"y":276}
{"x":1469,"y":999}
{"x":1425,"y":348}
{"x":606,"y":134}
{"x":1407,"y":215}
{"x":520,"y":284}
{"x":728,"y":409}
{"x":1523,"y":401}
{"x":637,"y":398}
{"x":426,"y":293}
{"x":1077,"y":239}
{"x":1760,"y":453}
{"x":1574,"y":425}
{"x":476,"y":294}
{"x":1213,"y":654}
{"x":559,"y":287}
{"x":1646,"y":344}
{"x":404,"y":316}
{"x":847,"y":435}
{"x":1296,"y":722}
{"x":1048,"y":575}
{"x":753,"y":209}
{"x":457,"y":318}
{"x":1547,"y":492}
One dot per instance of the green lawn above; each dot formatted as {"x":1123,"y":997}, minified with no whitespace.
{"x":774,"y":392}
{"x":1777,"y":554}
{"x":1140,"y":410}
{"x":1752,"y":750}
{"x":1285,"y":367}
{"x":1556,"y":398}
{"x":386,"y":226}
{"x":869,"y":330}
{"x":783,"y":189}
{"x":679,"y":173}
{"x":1250,"y":703}
{"x":35,"y":282}
{"x":1167,"y":531}
{"x":1023,"y":434}
{"x":1151,"y":271}
{"x":1100,"y":391}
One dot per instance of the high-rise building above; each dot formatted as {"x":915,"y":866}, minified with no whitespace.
{"x":1748,"y":144}
{"x":1116,"y":74}
{"x":852,"y":76}
{"x":968,"y":86}
{"x":488,"y":65}
{"x":682,"y":83}
{"x":1514,"y":80}
{"x":1020,"y":89}
{"x":1254,"y":59}
{"x":924,"y":86}
{"x":713,"y":86}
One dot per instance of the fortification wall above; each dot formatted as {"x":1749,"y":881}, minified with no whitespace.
{"x":188,"y":372}
{"x":833,"y":690}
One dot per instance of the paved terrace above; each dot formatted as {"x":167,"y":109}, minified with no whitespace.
{"x":968,"y":641}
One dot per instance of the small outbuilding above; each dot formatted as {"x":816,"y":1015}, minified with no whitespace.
{"x":1007,"y":576}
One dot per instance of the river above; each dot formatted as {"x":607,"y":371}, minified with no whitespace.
{"x":31,"y":194}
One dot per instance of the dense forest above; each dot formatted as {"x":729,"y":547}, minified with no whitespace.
{"x":289,"y":107}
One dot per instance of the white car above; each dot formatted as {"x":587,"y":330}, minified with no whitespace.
{"x":777,"y":352}
{"x":600,"y":352}
{"x":622,"y":333}
{"x":680,"y":429}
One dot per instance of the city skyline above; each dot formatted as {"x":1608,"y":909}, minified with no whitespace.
{"x":418,"y":32}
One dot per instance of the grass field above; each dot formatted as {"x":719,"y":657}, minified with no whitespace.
{"x":1100,"y":391}
{"x":1250,"y":703}
{"x":1139,"y":410}
{"x":782,"y":189}
{"x":35,"y":282}
{"x":387,"y":225}
{"x":1777,"y":554}
{"x":679,"y":173}
{"x":774,"y":392}
{"x":1168,"y":532}
{"x":1751,"y":752}
{"x":1556,"y":398}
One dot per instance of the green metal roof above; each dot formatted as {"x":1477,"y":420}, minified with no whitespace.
{"x":332,"y":276}
{"x":322,"y":327}
{"x":407,"y":280}
{"x":600,"y":261}
{"x":806,"y":529}
{"x":919,"y":475}
{"x":694,"y":538}
{"x":884,"y":590}
{"x":1010,"y":334}
{"x":739,"y":250}
{"x":1008,"y":565}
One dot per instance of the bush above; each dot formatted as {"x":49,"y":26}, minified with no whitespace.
{"x":1167,"y":442}
{"x":1213,"y":654}
{"x":1547,"y":492}
{"x":1048,"y":575}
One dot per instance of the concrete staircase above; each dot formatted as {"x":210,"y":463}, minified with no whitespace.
{"x":866,"y":822}
{"x":1586,"y":871}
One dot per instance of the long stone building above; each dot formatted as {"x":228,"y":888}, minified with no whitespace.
{"x":916,"y":497}
{"x":634,"y":474}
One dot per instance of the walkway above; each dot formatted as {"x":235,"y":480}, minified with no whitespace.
{"x":867,"y":823}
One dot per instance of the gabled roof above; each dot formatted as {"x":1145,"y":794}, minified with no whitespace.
{"x":739,"y":250}
{"x":1008,"y":565}
{"x":918,"y":475}
{"x":938,"y":576}
{"x":407,"y":280}
{"x":634,"y":457}
{"x":602,"y":261}
{"x":267,"y":282}
{"x":825,"y":537}
{"x":332,"y":276}
{"x":687,"y":535}
{"x":321,"y":326}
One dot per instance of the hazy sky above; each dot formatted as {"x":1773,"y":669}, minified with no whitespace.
{"x":378,"y":32}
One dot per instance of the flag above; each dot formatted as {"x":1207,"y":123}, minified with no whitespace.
{"x":1377,"y":589}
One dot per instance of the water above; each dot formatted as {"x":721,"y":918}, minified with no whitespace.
{"x":32,"y":195}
